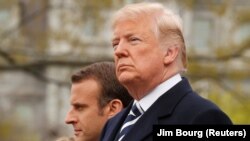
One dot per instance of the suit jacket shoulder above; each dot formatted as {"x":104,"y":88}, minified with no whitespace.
{"x":179,"y":105}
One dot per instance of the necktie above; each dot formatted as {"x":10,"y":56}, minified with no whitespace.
{"x":134,"y":114}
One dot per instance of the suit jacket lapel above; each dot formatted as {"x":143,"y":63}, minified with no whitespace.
{"x":163,"y":107}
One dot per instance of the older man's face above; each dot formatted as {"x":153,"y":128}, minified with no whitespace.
{"x":137,"y":54}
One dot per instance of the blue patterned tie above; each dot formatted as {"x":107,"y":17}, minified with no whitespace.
{"x":134,"y":114}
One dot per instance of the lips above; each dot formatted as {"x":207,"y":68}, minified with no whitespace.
{"x":77,"y":132}
{"x":122,"y":67}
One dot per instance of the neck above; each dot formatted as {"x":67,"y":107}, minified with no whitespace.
{"x":141,"y":88}
{"x":139,"y":91}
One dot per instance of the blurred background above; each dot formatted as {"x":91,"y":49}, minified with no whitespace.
{"x":42,"y":42}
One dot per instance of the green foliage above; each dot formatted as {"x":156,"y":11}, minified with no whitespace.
{"x":217,"y":7}
{"x":237,"y":109}
{"x":242,"y":17}
{"x":187,"y":3}
{"x":199,"y":69}
{"x":13,"y":130}
{"x":5,"y":4}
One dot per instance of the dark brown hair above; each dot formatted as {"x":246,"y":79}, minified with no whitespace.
{"x":104,"y":74}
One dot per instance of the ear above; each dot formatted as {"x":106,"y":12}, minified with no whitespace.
{"x":115,"y":106}
{"x":170,"y":54}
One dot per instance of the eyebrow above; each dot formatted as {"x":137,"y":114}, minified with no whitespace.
{"x":79,"y":105}
{"x":126,"y":35}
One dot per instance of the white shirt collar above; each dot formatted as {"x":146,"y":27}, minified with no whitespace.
{"x":150,"y":98}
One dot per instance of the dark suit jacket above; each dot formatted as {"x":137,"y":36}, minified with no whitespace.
{"x":179,"y":105}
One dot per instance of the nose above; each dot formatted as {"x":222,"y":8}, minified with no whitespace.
{"x":70,"y":118}
{"x":121,"y":50}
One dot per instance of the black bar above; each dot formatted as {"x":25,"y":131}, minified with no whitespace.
{"x":201,"y":132}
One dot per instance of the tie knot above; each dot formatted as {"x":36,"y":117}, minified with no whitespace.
{"x":134,"y":114}
{"x":136,"y":110}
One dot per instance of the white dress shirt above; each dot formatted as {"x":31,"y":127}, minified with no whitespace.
{"x":150,"y":98}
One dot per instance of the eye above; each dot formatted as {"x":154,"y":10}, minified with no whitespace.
{"x":79,"y":108}
{"x":134,"y":40}
{"x":115,"y":44}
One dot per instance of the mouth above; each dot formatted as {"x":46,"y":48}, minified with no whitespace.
{"x":77,"y":132}
{"x":123,"y":67}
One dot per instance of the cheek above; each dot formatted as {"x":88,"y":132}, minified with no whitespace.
{"x":83,"y":117}
{"x":151,"y":61}
{"x":93,"y":123}
{"x":146,"y":58}
{"x":86,"y":115}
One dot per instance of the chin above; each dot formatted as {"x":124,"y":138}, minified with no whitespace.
{"x":78,"y":139}
{"x":125,"y":80}
{"x":126,"y":77}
